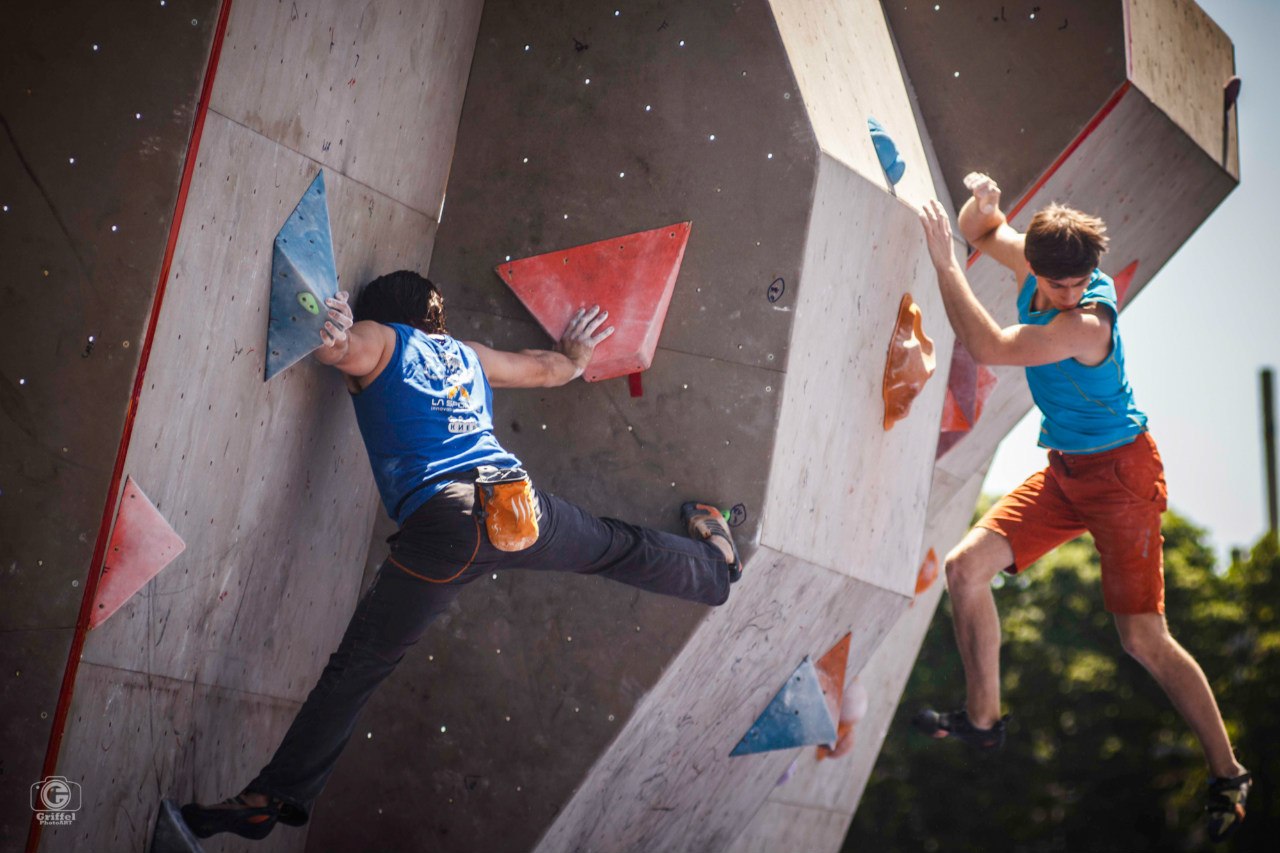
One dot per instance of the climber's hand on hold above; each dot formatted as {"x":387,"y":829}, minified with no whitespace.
{"x":334,"y":334}
{"x":937,"y":234}
{"x":579,"y":341}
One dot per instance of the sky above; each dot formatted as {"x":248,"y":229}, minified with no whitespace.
{"x":1199,"y":333}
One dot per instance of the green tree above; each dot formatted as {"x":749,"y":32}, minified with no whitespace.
{"x":1096,"y":759}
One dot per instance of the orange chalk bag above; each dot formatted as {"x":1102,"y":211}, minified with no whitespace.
{"x":508,"y":506}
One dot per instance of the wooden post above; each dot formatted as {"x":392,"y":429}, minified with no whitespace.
{"x":1269,"y":445}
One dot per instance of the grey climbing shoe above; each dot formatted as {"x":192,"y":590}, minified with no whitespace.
{"x":955,"y":724}
{"x":1225,"y":804}
{"x":705,"y":522}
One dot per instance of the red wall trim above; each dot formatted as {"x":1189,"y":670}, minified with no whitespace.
{"x":117,"y":473}
{"x":1062,"y":158}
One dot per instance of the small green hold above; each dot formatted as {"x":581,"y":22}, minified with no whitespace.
{"x":306,"y":300}
{"x":726,"y":513}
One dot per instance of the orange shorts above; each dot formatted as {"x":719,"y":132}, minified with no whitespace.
{"x":1116,"y":495}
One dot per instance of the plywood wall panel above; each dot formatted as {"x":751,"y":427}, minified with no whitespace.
{"x":31,"y":663}
{"x":267,"y":482}
{"x":359,"y":88}
{"x":1141,"y":173}
{"x":667,"y":782}
{"x":783,"y":826}
{"x":92,"y":141}
{"x":144,"y":725}
{"x":1182,"y":60}
{"x":691,"y":113}
{"x":138,"y":738}
{"x":1005,"y":86}
{"x":812,"y":811}
{"x":845,"y":64}
{"x":839,"y":479}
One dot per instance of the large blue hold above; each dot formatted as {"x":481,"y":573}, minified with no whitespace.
{"x":887,"y":151}
{"x":797,"y":716}
{"x":303,"y":276}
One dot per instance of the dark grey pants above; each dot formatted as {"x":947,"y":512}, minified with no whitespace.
{"x":425,"y":572}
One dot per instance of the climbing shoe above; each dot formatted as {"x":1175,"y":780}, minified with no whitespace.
{"x":1224,"y":805}
{"x":955,"y":724}
{"x":705,"y":522}
{"x":233,"y":815}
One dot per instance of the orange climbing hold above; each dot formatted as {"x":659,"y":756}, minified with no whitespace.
{"x":853,"y":708}
{"x":928,"y":572}
{"x":1124,"y":280}
{"x":830,"y":669}
{"x":910,"y":363}
{"x":631,"y":277}
{"x":142,"y":544}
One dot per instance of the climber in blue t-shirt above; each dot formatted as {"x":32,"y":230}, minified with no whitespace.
{"x":424,"y":404}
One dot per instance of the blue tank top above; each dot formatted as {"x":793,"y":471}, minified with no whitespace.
{"x":1084,"y":409}
{"x":428,"y":414}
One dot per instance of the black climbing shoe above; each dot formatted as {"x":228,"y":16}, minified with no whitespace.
{"x":705,"y":522}
{"x":233,"y":815}
{"x":955,"y":724}
{"x":1225,"y":803}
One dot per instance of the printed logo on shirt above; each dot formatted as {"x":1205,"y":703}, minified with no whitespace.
{"x":463,"y":425}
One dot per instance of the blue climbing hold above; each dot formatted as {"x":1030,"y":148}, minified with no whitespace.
{"x":890,"y":160}
{"x":797,"y":716}
{"x":303,"y":276}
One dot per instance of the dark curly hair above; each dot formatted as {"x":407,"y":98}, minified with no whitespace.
{"x":402,"y":297}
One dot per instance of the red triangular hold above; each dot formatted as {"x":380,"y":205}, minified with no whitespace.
{"x":631,"y":277}
{"x":962,"y":382}
{"x":830,"y":669}
{"x":986,"y":384}
{"x":1123,"y":280}
{"x":142,"y":544}
{"x":953,"y":420}
{"x":946,"y":441}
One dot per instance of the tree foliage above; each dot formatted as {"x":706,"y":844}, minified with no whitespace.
{"x":1096,"y":759}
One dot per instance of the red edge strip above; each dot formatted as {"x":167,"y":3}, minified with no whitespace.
{"x":1062,"y":158}
{"x":117,"y":474}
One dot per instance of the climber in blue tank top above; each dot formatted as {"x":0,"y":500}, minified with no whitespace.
{"x":424,"y":404}
{"x":429,"y":417}
{"x":1104,"y":474}
{"x":1085,"y":408}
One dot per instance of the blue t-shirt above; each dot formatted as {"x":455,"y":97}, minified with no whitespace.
{"x":1085,"y":409}
{"x":427,"y":414}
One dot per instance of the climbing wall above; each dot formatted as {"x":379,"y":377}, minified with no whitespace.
{"x":541,"y":712}
{"x":191,"y":683}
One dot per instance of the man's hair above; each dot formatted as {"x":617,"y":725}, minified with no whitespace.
{"x":1064,"y":243}
{"x":402,"y":297}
